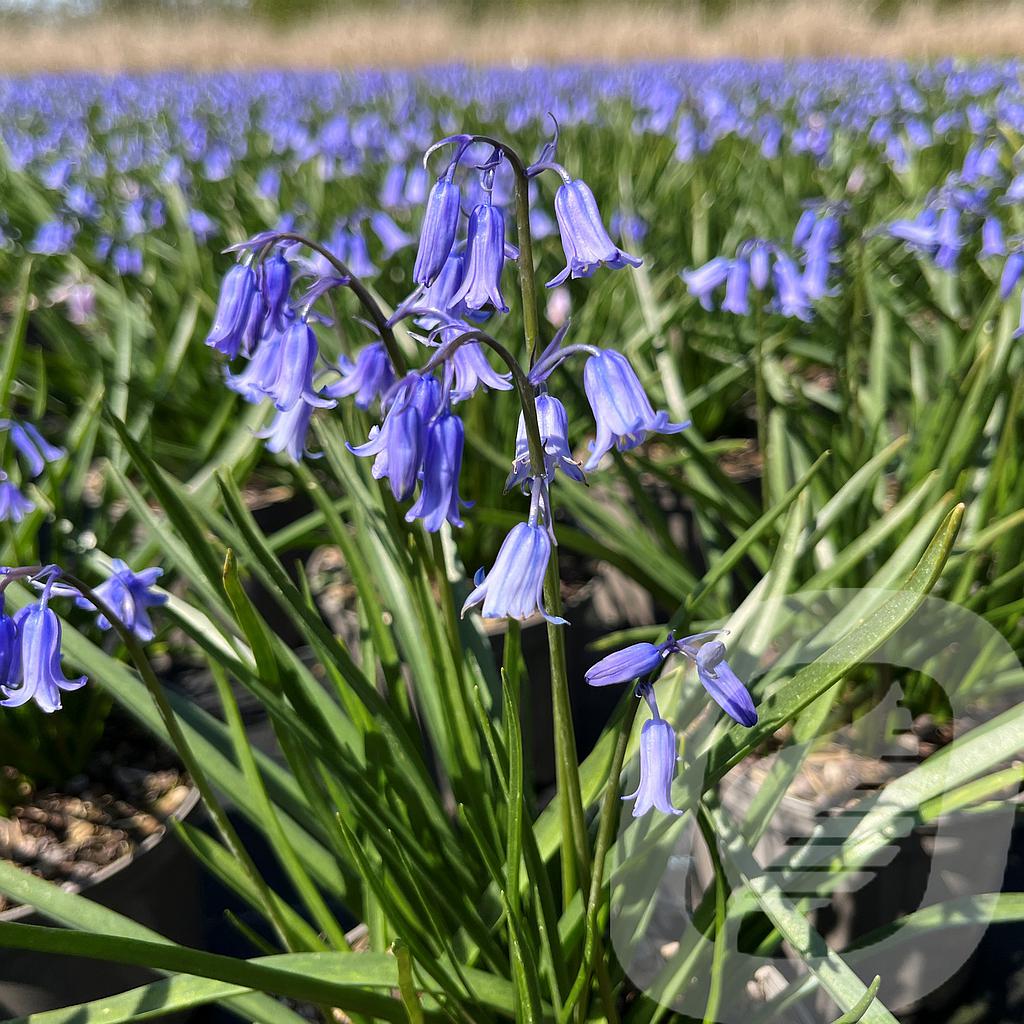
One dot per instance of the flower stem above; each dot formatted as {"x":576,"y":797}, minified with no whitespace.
{"x":761,"y":401}
{"x":527,"y":281}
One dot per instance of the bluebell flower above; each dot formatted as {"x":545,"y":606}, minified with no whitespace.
{"x":553,"y":423}
{"x":723,"y":685}
{"x":289,"y":430}
{"x":10,"y":649}
{"x":790,"y":296}
{"x":514,"y":588}
{"x":260,"y":373}
{"x":484,"y":260}
{"x":14,"y":506}
{"x":391,"y":236}
{"x":759,"y":253}
{"x":658,"y":759}
{"x":736,"y":288}
{"x":299,"y":351}
{"x":398,"y":444}
{"x":41,"y":677}
{"x":34,"y":449}
{"x":704,"y":280}
{"x":129,"y":596}
{"x":127,"y":260}
{"x":630,"y":663}
{"x":472,"y":370}
{"x":947,"y":234}
{"x":1013,"y":269}
{"x":992,"y":242}
{"x":437,"y":236}
{"x":368,"y":378}
{"x":54,"y":238}
{"x":439,"y":499}
{"x":622,"y":410}
{"x":586,"y":243}
{"x":920,"y":234}
{"x":239,"y":312}
{"x":275,"y":285}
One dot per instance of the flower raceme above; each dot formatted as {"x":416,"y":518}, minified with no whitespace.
{"x":657,"y":738}
{"x":30,"y":640}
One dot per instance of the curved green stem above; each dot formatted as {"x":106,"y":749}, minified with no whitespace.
{"x":188,"y":758}
{"x":362,"y":293}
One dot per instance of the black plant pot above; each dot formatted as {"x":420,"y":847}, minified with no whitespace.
{"x":156,"y":886}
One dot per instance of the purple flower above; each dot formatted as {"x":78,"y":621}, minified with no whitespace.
{"x":585,"y":241}
{"x":299,"y":351}
{"x":790,"y":296}
{"x":289,"y":430}
{"x":53,"y":239}
{"x":992,"y":243}
{"x":658,"y":759}
{"x":41,"y":678}
{"x":722,"y":683}
{"x":621,"y":408}
{"x":14,"y":506}
{"x":472,"y":370}
{"x":276,"y":284}
{"x":439,"y":499}
{"x":10,"y":649}
{"x":553,"y":423}
{"x":391,"y":236}
{"x":1013,"y":269}
{"x":398,"y":444}
{"x":630,"y":663}
{"x":260,"y":373}
{"x":239,"y":312}
{"x":440,"y":223}
{"x":368,"y":378}
{"x":33,"y":448}
{"x":704,"y":280}
{"x":485,"y":259}
{"x":128,"y":596}
{"x":736,"y":287}
{"x":514,"y":587}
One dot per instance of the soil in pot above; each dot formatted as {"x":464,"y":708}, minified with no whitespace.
{"x":102,"y":832}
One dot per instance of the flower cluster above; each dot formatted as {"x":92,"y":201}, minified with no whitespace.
{"x":457,"y":275}
{"x":35,"y":452}
{"x":657,"y":738}
{"x":30,"y":640}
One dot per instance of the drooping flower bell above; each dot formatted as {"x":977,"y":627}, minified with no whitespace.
{"x":254,"y":383}
{"x":299,"y":351}
{"x":658,"y":759}
{"x":34,"y":449}
{"x":703,"y":281}
{"x":553,"y":423}
{"x":470,"y":368}
{"x":398,"y":444}
{"x":723,"y":685}
{"x":14,"y":506}
{"x":737,"y":285}
{"x":439,"y":499}
{"x":621,"y":408}
{"x":289,"y":430}
{"x":276,"y":283}
{"x":484,"y":261}
{"x":586,"y":243}
{"x":129,"y":596}
{"x":10,"y":649}
{"x":367,"y":378}
{"x":514,"y":587}
{"x":440,"y":224}
{"x":1013,"y":270}
{"x":239,"y":312}
{"x":41,"y":678}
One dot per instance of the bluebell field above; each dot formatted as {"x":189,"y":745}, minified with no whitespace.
{"x":732,"y":332}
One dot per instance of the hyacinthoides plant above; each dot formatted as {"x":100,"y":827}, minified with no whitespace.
{"x":420,"y":438}
{"x":404,"y":799}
